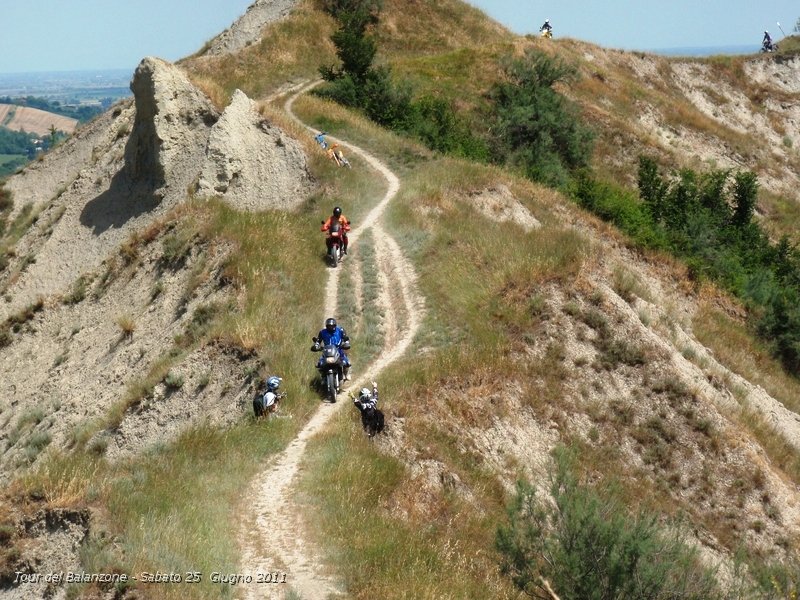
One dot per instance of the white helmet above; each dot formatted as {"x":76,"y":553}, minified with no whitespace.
{"x":273,"y":383}
{"x":365,"y":393}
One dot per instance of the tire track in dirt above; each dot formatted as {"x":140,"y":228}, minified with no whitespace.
{"x":271,"y":530}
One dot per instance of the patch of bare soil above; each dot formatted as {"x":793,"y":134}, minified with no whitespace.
{"x":42,"y":542}
{"x":499,"y":204}
{"x":71,"y":361}
{"x":695,"y":112}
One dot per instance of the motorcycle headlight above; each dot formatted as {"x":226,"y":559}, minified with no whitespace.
{"x":330,"y":359}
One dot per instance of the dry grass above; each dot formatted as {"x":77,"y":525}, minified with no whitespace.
{"x":779,"y":216}
{"x":293,"y":49}
{"x":737,"y":349}
{"x":127,"y":325}
{"x":444,"y":554}
{"x":435,"y":27}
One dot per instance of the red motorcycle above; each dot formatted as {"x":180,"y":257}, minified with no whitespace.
{"x":335,"y":243}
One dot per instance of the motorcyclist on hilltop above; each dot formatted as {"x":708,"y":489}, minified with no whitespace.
{"x":766,"y":43}
{"x":546,"y":29}
{"x":343,"y":222}
{"x":334,"y":335}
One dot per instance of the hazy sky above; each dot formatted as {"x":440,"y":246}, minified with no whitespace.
{"x":648,"y":24}
{"x":60,"y":35}
{"x":55,"y":35}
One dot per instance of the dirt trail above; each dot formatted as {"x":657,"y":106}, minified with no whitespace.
{"x":272,"y":532}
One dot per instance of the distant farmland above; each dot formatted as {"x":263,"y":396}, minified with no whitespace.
{"x":33,"y":120}
{"x":7,"y":158}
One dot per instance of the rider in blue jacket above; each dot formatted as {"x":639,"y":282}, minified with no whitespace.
{"x":333,"y":334}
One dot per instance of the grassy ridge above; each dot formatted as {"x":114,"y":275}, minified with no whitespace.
{"x":294,"y":49}
{"x":484,"y":284}
{"x":354,"y":492}
{"x":406,"y":538}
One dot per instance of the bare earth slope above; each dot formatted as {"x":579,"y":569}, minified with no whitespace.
{"x":741,"y":112}
{"x":136,"y":164}
{"x":129,"y":169}
{"x":247,"y":28}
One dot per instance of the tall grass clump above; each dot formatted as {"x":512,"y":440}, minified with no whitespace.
{"x":584,"y":544}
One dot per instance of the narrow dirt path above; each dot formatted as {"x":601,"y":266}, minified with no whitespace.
{"x":272,"y":534}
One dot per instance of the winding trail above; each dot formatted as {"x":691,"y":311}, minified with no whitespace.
{"x":272,"y":532}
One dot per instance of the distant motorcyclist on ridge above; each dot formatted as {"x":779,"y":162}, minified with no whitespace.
{"x":343,"y":222}
{"x":766,"y":43}
{"x":546,"y":30}
{"x":333,"y":334}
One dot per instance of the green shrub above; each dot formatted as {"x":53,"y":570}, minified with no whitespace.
{"x":538,"y":129}
{"x":436,"y":123}
{"x":619,"y":206}
{"x":585,"y":546}
{"x":176,"y":248}
{"x":78,"y":292}
{"x":173,"y":381}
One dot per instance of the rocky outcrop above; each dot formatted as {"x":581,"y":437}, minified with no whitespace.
{"x":142,"y":161}
{"x":172,"y":125}
{"x":250,"y":163}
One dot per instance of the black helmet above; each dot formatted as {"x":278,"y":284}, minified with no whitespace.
{"x":337,"y":211}
{"x":330,"y":324}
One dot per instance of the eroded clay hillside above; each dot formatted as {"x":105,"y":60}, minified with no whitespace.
{"x":156,"y":260}
{"x":98,"y":286}
{"x":720,"y":112}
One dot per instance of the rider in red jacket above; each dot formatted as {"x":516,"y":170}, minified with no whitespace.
{"x":345,"y":224}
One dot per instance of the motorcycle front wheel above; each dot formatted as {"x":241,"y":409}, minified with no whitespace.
{"x":331,"y":385}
